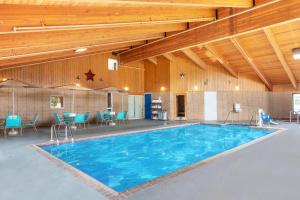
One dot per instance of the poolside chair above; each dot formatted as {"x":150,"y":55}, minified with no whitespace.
{"x":121,"y":117}
{"x":107,"y":117}
{"x":32,"y":123}
{"x":86,"y":119}
{"x":2,"y":125}
{"x":79,"y":120}
{"x":13,"y":122}
{"x":99,"y":118}
{"x":59,"y":122}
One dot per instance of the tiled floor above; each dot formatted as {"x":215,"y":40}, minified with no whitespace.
{"x":266,"y":170}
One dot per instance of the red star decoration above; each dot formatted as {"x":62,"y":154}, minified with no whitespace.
{"x":89,"y":75}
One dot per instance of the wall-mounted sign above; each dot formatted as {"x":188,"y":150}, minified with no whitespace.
{"x":296,"y":102}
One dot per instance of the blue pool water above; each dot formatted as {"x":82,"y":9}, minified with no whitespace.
{"x":123,"y":162}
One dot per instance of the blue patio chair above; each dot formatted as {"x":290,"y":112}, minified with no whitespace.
{"x":32,"y":123}
{"x":86,"y":118}
{"x":107,"y":117}
{"x":13,"y":122}
{"x":78,"y":120}
{"x":67,"y":122}
{"x":2,"y":125}
{"x":121,"y":117}
{"x":99,"y":118}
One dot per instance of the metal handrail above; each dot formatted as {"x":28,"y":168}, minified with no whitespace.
{"x":295,"y":113}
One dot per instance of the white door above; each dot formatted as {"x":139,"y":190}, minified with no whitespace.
{"x":210,"y":106}
{"x":135,"y":107}
{"x":130,"y":106}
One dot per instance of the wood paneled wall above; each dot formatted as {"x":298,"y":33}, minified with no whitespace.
{"x":251,"y":92}
{"x":31,"y":101}
{"x":157,"y":76}
{"x":215,"y":78}
{"x":65,"y":72}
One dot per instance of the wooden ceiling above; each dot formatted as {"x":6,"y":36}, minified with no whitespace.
{"x":33,"y":31}
{"x":243,"y":36}
{"x":259,"y":40}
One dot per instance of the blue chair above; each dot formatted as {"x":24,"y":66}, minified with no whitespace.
{"x":107,"y":117}
{"x":32,"y":123}
{"x":99,"y":118}
{"x":79,"y":119}
{"x":2,"y":125}
{"x":121,"y":117}
{"x":67,"y":122}
{"x":13,"y":122}
{"x":86,"y":119}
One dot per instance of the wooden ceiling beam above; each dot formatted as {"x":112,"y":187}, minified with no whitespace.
{"x":16,"y":40}
{"x":153,"y":60}
{"x":251,"y":62}
{"x":22,"y":51}
{"x":194,"y":58}
{"x":66,"y":53}
{"x":254,"y":19}
{"x":168,"y":56}
{"x":221,"y":59}
{"x":280,"y":56}
{"x":46,"y":18}
{"x":200,"y":3}
{"x":191,"y":3}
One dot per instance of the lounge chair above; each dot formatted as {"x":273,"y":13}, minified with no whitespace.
{"x":32,"y":123}
{"x":13,"y":122}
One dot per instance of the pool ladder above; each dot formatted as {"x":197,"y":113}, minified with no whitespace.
{"x":253,"y":118}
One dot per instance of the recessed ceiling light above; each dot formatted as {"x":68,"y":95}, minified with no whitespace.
{"x":80,"y":50}
{"x":296,"y":53}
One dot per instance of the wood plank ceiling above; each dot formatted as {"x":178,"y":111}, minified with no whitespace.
{"x":259,"y":40}
{"x":34,"y":31}
{"x":243,"y":36}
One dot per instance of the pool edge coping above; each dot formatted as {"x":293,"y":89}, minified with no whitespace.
{"x":114,"y":195}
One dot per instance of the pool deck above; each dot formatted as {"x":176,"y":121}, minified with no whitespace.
{"x":266,"y":170}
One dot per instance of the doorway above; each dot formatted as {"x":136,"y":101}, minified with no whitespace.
{"x":210,"y":106}
{"x":180,"y":106}
{"x":135,"y":107}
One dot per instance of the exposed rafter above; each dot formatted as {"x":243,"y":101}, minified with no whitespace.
{"x":58,"y":54}
{"x":251,"y":62}
{"x":280,"y":56}
{"x":20,"y":44}
{"x":168,"y":56}
{"x":222,"y":60}
{"x":197,"y":3}
{"x":36,"y":18}
{"x":194,"y":58}
{"x":153,"y":60}
{"x":255,"y":19}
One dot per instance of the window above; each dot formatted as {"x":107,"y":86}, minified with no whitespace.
{"x":112,"y":64}
{"x":56,"y":102}
{"x":296,"y":102}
